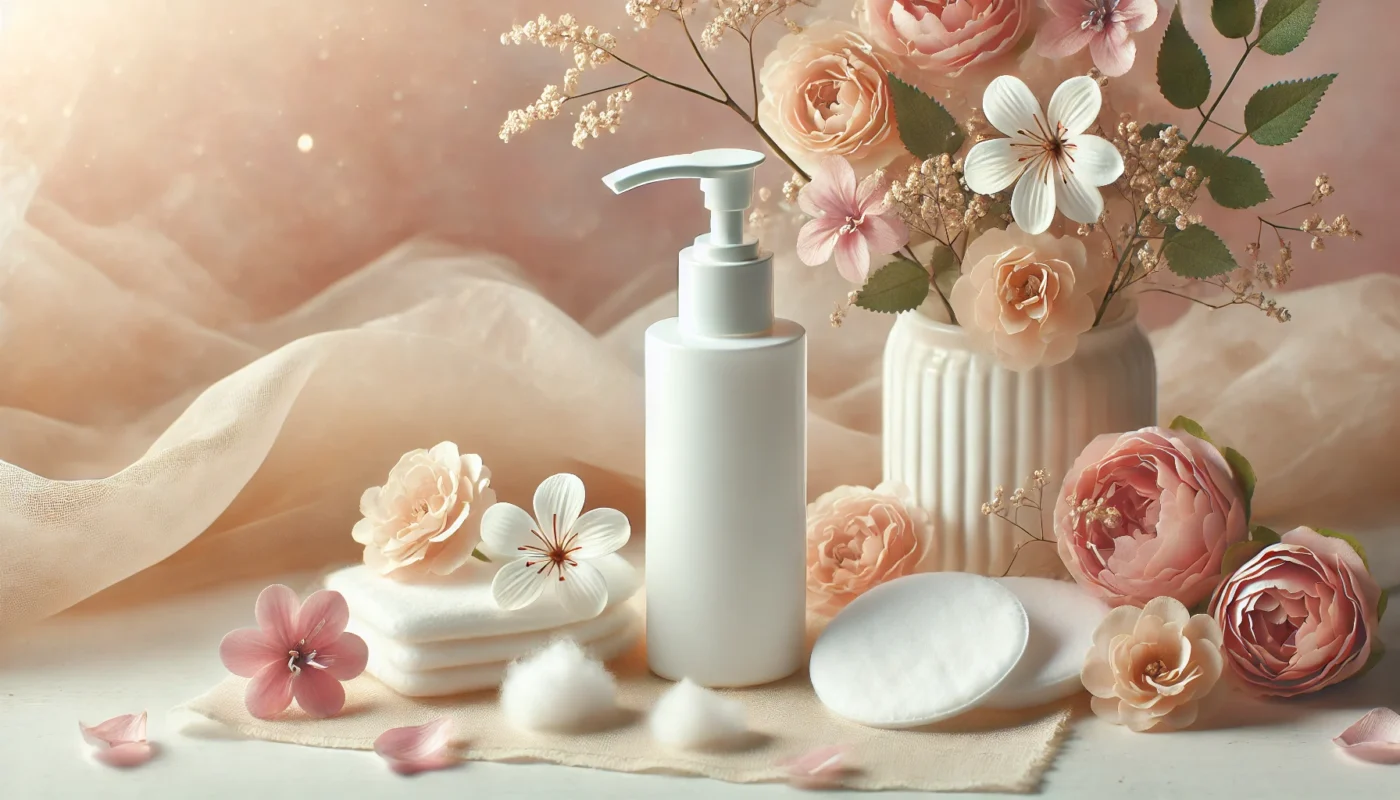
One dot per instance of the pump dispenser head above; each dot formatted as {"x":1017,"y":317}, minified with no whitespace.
{"x":726,"y":178}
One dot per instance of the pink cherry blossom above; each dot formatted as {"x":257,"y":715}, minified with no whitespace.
{"x":120,"y":741}
{"x":850,"y":220}
{"x":302,"y":652}
{"x":418,"y":748}
{"x":1104,"y":26}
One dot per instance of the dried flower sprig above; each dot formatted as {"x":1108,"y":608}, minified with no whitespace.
{"x":592,"y":48}
{"x":1008,"y":508}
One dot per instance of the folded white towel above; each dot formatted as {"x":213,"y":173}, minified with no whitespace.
{"x":420,"y":656}
{"x":447,"y":610}
{"x":457,"y":680}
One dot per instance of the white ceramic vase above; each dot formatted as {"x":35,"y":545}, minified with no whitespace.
{"x":957,"y":425}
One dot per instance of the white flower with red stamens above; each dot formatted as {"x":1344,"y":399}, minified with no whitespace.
{"x":553,"y":548}
{"x":1049,"y":157}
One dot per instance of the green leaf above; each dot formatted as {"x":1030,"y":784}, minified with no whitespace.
{"x":1264,"y":535}
{"x":1197,"y":253}
{"x":1285,"y":24}
{"x":1277,"y":113}
{"x":1191,"y":426}
{"x":925,"y":126}
{"x":1381,"y":606}
{"x":945,"y":269}
{"x":1152,"y":130}
{"x":998,"y":217}
{"x":1244,"y":473}
{"x":1349,"y":539}
{"x":1182,"y":70}
{"x":1233,"y":18}
{"x":480,"y":556}
{"x":1237,"y":182}
{"x":900,"y":285}
{"x":1239,"y":554}
{"x":1203,"y":157}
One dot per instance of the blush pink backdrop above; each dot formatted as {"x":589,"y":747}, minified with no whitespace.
{"x":211,"y":339}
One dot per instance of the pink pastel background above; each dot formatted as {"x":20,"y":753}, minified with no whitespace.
{"x":212,"y":339}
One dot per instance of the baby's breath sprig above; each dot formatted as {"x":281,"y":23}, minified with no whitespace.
{"x":1008,"y":508}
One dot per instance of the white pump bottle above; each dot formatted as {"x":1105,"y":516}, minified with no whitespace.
{"x":726,"y":449}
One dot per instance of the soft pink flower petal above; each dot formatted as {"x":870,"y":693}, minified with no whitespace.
{"x":817,"y":239}
{"x":419,"y":748}
{"x":276,"y":612}
{"x":1073,"y":9}
{"x":831,"y":191}
{"x":345,"y":658}
{"x":269,"y":692}
{"x":131,"y":754}
{"x":247,"y":650}
{"x":1060,"y":37}
{"x":1114,"y":51}
{"x":322,"y":619}
{"x":1375,"y":737}
{"x":884,"y":233}
{"x":817,"y":769}
{"x":126,"y":729}
{"x":318,"y":692}
{"x":853,"y":258}
{"x":1136,"y":15}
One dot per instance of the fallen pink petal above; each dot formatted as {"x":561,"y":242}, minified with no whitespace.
{"x":419,"y":748}
{"x":120,"y":741}
{"x":1375,"y":737}
{"x":818,"y":769}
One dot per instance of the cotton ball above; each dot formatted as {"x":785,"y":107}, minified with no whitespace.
{"x":558,"y":688}
{"x":691,"y":717}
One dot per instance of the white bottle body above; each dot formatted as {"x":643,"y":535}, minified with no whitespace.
{"x":726,"y":494}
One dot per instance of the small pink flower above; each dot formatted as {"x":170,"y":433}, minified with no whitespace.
{"x":851,"y":220}
{"x":859,"y":538}
{"x":1104,"y":26}
{"x":295,"y":652}
{"x":120,"y":741}
{"x":419,"y":748}
{"x":1149,"y":514}
{"x":1299,"y":616}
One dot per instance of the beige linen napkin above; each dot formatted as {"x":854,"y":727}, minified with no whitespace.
{"x":983,"y":751}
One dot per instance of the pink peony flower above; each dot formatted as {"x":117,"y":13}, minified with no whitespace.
{"x":1148,"y":514}
{"x":859,"y":538}
{"x":946,"y":35}
{"x":853,"y":221}
{"x":426,"y":518}
{"x":1299,"y":616}
{"x":1026,"y":298}
{"x":825,"y":92}
{"x":1149,"y":668}
{"x":295,"y":652}
{"x":1105,"y":26}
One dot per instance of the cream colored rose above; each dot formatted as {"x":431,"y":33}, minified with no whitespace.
{"x":825,"y":92}
{"x":426,"y":518}
{"x":1149,"y":668}
{"x":858,"y":538}
{"x":1025,"y":297}
{"x":943,"y":36}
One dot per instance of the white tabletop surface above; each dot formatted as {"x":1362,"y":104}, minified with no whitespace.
{"x":93,"y":666}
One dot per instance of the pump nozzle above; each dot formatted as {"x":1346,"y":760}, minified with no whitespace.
{"x":726,"y":177}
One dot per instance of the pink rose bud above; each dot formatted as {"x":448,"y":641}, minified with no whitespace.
{"x":1149,"y":514}
{"x":1299,"y":616}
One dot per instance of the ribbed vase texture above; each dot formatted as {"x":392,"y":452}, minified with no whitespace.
{"x":957,"y":425}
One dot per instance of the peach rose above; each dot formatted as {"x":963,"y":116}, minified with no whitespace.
{"x":825,"y":93}
{"x":946,"y":35}
{"x":1026,"y":298}
{"x":1302,"y":614}
{"x":1149,"y":668}
{"x":858,"y":538}
{"x":426,"y":519}
{"x":1147,"y":514}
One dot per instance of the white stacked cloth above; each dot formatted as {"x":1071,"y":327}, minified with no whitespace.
{"x":446,"y":638}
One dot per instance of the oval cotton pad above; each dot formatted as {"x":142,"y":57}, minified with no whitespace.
{"x":919,"y":649}
{"x":1063,"y":618}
